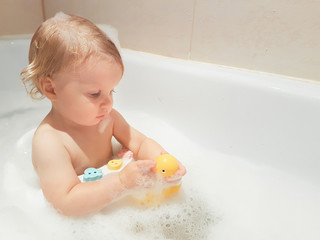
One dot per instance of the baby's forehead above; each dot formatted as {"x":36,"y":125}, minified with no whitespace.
{"x":85,"y":63}
{"x":92,"y":69}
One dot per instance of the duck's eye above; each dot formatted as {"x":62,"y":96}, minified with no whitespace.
{"x":163,"y":171}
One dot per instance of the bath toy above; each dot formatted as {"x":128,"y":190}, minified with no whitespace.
{"x":167,"y":165}
{"x":115,"y":164}
{"x":92,"y":174}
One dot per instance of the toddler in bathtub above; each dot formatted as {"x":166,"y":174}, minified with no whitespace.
{"x":77,"y":67}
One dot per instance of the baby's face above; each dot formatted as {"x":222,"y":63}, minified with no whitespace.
{"x":84,"y":94}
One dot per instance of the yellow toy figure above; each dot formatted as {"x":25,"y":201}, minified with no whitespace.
{"x":167,"y":165}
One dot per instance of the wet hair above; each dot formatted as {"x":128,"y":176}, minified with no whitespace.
{"x":61,"y":42}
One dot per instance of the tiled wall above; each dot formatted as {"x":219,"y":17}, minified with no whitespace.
{"x":277,"y":36}
{"x":20,"y":16}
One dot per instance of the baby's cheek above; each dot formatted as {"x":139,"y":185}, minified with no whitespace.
{"x":88,"y":110}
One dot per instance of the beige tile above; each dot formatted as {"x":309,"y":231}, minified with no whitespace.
{"x":277,"y":36}
{"x":20,"y":16}
{"x":161,"y":27}
{"x":84,"y":8}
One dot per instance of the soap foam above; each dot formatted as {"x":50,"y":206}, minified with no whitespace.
{"x":222,"y":196}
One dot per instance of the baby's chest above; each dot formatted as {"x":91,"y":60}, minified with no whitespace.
{"x":89,"y":152}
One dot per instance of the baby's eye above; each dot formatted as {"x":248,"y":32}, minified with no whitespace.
{"x":95,"y":95}
{"x":112,"y":91}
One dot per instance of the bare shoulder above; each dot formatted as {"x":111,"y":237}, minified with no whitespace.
{"x":44,"y":130}
{"x":114,"y":114}
{"x":43,"y":135}
{"x":120,"y":125}
{"x":118,"y":121}
{"x":48,"y":150}
{"x":46,"y":138}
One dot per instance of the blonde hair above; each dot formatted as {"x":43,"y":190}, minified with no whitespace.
{"x":62,"y":41}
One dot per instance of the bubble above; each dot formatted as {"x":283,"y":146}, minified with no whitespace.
{"x":171,"y":221}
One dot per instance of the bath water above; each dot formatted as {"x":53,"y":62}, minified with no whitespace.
{"x":222,"y":196}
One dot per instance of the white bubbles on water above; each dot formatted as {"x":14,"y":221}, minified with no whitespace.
{"x":222,"y":196}
{"x":146,"y":181}
{"x":187,"y":218}
{"x":180,"y":218}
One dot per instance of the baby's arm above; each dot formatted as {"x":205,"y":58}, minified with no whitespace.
{"x":142,"y":146}
{"x":63,"y":189}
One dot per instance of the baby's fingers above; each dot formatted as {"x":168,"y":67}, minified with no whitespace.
{"x":176,"y":177}
{"x":181,"y":171}
{"x":146,"y":165}
{"x":173,"y":179}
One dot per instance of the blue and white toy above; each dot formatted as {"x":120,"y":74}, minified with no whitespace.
{"x":115,"y":165}
{"x":92,"y":174}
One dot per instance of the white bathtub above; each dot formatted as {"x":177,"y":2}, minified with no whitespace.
{"x":250,"y":142}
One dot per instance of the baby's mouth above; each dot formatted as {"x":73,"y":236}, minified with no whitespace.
{"x":101,"y":116}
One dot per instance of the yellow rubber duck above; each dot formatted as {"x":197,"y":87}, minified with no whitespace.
{"x":167,"y":165}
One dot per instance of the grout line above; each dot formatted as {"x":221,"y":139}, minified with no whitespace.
{"x":192,"y":27}
{"x":43,"y":10}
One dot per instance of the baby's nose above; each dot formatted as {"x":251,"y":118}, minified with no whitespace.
{"x":107,"y":102}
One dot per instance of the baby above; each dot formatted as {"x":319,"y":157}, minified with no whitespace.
{"x":77,"y":67}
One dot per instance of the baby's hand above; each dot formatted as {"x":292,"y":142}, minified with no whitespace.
{"x":176,"y":177}
{"x":138,"y":174}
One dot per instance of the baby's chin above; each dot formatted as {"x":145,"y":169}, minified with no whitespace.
{"x":101,"y":122}
{"x":92,"y":123}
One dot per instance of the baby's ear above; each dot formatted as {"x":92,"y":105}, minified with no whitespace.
{"x":48,"y":88}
